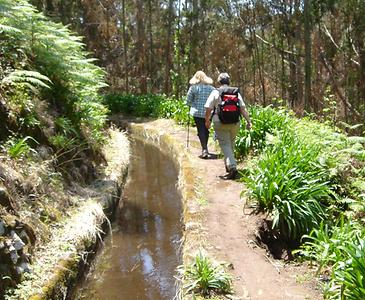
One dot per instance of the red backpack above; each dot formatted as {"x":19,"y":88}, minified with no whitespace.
{"x":228,"y":110}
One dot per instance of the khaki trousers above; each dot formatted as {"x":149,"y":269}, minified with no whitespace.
{"x":226,"y":135}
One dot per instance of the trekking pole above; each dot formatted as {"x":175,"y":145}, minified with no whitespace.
{"x":187,"y":138}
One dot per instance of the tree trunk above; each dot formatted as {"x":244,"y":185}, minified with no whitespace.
{"x":308,"y":56}
{"x":141,"y":49}
{"x":168,"y":53}
{"x":125,"y":46}
{"x":150,"y":48}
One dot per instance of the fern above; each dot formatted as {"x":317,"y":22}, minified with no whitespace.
{"x":32,"y":79}
{"x":8,"y":29}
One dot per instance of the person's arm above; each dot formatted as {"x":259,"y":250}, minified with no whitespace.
{"x":190,"y":96}
{"x":209,"y":105}
{"x":208,"y":113}
{"x":244,"y":112}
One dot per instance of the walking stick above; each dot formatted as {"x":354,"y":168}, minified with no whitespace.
{"x":187,"y":138}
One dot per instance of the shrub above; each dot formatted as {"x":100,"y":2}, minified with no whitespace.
{"x":156,"y":106}
{"x":340,"y":247}
{"x":204,"y":277}
{"x":290,"y":183}
{"x":18,"y":147}
{"x":44,"y":60}
{"x":265,"y":120}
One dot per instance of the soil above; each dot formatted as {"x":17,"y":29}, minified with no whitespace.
{"x":236,"y":234}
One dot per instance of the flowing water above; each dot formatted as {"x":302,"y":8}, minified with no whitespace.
{"x":139,"y":259}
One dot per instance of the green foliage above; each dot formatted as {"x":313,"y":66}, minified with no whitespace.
{"x":19,"y":147}
{"x":350,"y":275}
{"x":44,"y":57}
{"x":30,"y":79}
{"x":341,"y":248}
{"x":204,"y":277}
{"x":150,"y":105}
{"x":291,"y":184}
{"x":329,"y":109}
{"x":322,"y":245}
{"x":265,"y":121}
{"x":61,"y":141}
{"x":307,"y":175}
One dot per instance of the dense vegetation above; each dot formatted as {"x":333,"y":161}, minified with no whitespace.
{"x":49,"y":86}
{"x":150,"y":105}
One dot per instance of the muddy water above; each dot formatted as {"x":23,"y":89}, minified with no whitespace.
{"x":139,"y":260}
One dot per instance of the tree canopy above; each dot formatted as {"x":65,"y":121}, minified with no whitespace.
{"x":309,"y":53}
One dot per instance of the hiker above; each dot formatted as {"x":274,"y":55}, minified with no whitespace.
{"x":200,"y":89}
{"x":225,"y":106}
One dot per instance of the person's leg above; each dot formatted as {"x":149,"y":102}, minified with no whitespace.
{"x":232,"y":165}
{"x":203,"y":132}
{"x":233,"y":130}
{"x":225,"y":142}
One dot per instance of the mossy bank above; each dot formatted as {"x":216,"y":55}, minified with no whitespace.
{"x":46,"y":253}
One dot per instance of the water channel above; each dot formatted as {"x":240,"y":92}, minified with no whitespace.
{"x":139,"y":259}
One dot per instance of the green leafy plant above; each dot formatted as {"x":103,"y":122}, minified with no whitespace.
{"x":340,"y":249}
{"x":265,"y":120}
{"x":30,"y":79}
{"x":351,"y":274}
{"x":19,"y":147}
{"x":205,"y":277}
{"x":290,"y":183}
{"x":37,"y":50}
{"x":322,"y":245}
{"x":155,"y":106}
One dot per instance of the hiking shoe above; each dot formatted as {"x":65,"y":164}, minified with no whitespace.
{"x":232,"y":174}
{"x":205,"y":154}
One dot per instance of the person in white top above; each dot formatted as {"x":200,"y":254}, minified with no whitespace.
{"x":226,"y":133}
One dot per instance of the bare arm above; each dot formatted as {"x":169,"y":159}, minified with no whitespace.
{"x":244,"y":113}
{"x":208,"y":113}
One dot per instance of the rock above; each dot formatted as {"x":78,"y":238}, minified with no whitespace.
{"x":2,"y":244}
{"x":23,"y":235}
{"x":24,"y":267}
{"x":17,"y":242}
{"x":13,"y":255}
{"x":44,"y":152}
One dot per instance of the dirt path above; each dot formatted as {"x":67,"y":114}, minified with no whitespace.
{"x":230,"y":231}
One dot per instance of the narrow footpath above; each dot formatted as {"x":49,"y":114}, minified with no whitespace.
{"x":230,"y":232}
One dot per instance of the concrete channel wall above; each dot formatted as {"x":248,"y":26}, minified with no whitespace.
{"x":193,"y":235}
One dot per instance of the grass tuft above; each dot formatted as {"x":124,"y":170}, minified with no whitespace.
{"x":204,"y":277}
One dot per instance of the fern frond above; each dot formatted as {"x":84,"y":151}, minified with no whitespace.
{"x":9,"y":29}
{"x":32,"y":78}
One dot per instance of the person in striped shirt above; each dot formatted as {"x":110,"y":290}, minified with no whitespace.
{"x":198,"y":93}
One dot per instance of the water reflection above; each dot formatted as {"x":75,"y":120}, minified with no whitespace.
{"x":140,"y":261}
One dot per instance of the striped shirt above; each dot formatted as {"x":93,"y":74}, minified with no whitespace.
{"x":196,"y":98}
